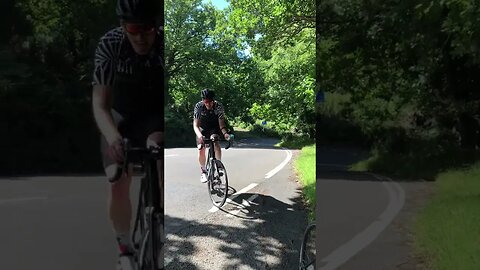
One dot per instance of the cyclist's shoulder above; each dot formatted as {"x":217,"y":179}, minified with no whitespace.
{"x":115,"y":35}
{"x":198,"y":105}
{"x":111,"y":41}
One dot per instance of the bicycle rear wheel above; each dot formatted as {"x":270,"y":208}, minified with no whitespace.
{"x":218,"y":183}
{"x":307,"y":249}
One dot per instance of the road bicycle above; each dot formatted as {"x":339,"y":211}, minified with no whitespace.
{"x":217,"y":179}
{"x":307,"y":249}
{"x":147,"y":235}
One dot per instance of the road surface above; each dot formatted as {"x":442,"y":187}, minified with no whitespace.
{"x":60,"y":222}
{"x":363,"y":219}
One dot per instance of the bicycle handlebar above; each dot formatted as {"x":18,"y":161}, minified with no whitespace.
{"x":217,"y":139}
{"x":128,"y":151}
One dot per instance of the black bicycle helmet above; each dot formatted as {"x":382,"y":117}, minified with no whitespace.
{"x":208,"y":94}
{"x":139,"y":11}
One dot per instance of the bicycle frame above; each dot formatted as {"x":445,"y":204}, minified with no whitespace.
{"x":211,"y":149}
{"x":149,"y":208}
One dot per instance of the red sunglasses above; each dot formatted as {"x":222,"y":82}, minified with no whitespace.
{"x":135,"y":28}
{"x":205,"y":101}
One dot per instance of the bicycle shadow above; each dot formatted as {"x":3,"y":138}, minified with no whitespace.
{"x":256,"y":232}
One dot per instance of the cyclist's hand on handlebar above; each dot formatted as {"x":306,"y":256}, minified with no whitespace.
{"x":115,"y":151}
{"x":226,"y":136}
{"x":200,"y":142}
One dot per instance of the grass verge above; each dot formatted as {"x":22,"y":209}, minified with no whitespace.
{"x":305,"y":167}
{"x":424,"y":162}
{"x":447,"y":231}
{"x":295,"y":142}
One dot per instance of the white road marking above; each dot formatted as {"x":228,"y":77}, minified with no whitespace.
{"x":240,"y":207}
{"x":230,"y":200}
{"x":279,"y":167}
{"x":364,"y":238}
{"x":172,"y":155}
{"x":251,"y":186}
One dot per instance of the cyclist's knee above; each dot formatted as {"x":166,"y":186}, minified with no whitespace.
{"x":120,"y":190}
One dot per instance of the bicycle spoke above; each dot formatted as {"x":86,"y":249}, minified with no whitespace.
{"x":218,"y":183}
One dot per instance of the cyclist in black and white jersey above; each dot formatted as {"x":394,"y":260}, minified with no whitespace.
{"x":127,"y":100}
{"x":208,"y":119}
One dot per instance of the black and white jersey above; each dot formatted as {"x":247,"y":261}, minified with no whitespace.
{"x":115,"y":54}
{"x":137,"y":80}
{"x":201,"y":110}
{"x":209,"y":118}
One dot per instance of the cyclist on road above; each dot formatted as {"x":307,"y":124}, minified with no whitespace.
{"x":208,"y":120}
{"x":127,"y":100}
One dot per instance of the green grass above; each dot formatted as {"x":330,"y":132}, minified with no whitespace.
{"x":447,"y":230}
{"x":295,"y":142}
{"x":361,"y":166}
{"x":305,"y":166}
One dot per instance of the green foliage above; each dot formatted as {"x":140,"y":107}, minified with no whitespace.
{"x":289,"y":74}
{"x":206,"y":47}
{"x":179,"y":131}
{"x":405,"y":65}
{"x":45,"y":76}
{"x":47,"y":50}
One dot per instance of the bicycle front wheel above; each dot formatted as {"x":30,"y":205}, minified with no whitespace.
{"x":153,"y":215}
{"x":218,"y":184}
{"x":307,"y":249}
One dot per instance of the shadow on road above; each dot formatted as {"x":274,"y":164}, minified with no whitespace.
{"x":262,"y":234}
{"x":262,"y":143}
{"x":334,"y":163}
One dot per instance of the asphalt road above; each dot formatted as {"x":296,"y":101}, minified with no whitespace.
{"x":363,"y":219}
{"x":61,"y":222}
{"x":260,"y":228}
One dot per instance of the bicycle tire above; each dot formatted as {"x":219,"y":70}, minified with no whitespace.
{"x":154,"y":216}
{"x":149,"y":219}
{"x":140,"y":232}
{"x":308,"y":249}
{"x":139,"y":224}
{"x":218,"y":183}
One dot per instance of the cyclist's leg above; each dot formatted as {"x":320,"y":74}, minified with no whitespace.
{"x":202,"y":159}
{"x":119,"y":205}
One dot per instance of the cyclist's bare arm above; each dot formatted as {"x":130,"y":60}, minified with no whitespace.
{"x":102,"y":104}
{"x":221,"y":124}
{"x":196,"y":128}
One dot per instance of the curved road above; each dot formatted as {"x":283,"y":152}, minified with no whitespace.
{"x":259,"y":228}
{"x":61,"y":222}
{"x":363,"y":218}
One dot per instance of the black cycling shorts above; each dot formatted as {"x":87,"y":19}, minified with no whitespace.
{"x":136,"y":129}
{"x":208,"y":132}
